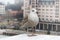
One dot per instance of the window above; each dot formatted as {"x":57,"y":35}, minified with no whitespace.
{"x":43,"y":12}
{"x":42,"y":15}
{"x":47,"y":19}
{"x":49,"y":26}
{"x":47,"y":6}
{"x":51,"y":6}
{"x":33,"y":6}
{"x":56,"y":13}
{"x":41,"y":26}
{"x":54,"y":27}
{"x":50,"y":19}
{"x":37,"y":12}
{"x":43,"y":9}
{"x":43,"y":6}
{"x":50,"y":16}
{"x":38,"y":15}
{"x":42,"y":18}
{"x":51,"y":9}
{"x":47,"y":16}
{"x":37,"y":27}
{"x":39,"y":6}
{"x":57,"y":6}
{"x":28,"y":12}
{"x":58,"y":28}
{"x":57,"y":10}
{"x":57,"y":3}
{"x":45,"y":26}
{"x":51,"y":13}
{"x":36,"y":6}
{"x":39,"y":9}
{"x":47,"y":13}
{"x":56,"y":20}
{"x":46,"y":2}
{"x":33,"y":3}
{"x":56,"y":16}
{"x":47,"y":9}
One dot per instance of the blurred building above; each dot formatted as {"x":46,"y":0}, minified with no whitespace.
{"x":48,"y":12}
{"x":26,"y":8}
{"x":2,"y":11}
{"x":20,"y":4}
{"x":14,"y":11}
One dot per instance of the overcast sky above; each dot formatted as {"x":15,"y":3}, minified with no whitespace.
{"x":6,"y":1}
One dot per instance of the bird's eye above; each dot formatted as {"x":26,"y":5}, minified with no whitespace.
{"x":32,"y":10}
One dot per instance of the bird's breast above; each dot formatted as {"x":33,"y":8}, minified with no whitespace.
{"x":33,"y":18}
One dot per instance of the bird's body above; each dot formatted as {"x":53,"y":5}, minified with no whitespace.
{"x":33,"y":19}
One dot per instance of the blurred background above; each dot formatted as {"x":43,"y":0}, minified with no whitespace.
{"x":10,"y":10}
{"x":11,"y":14}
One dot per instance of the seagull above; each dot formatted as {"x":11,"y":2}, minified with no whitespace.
{"x":31,"y":20}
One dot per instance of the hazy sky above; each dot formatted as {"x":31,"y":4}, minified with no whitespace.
{"x":6,"y":1}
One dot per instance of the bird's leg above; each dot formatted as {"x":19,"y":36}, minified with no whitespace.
{"x":27,"y":30}
{"x":33,"y":31}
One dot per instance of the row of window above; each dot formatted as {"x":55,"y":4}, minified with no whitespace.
{"x":48,"y":27}
{"x":39,"y":12}
{"x":46,"y":2}
{"x":47,"y":12}
{"x":46,"y":9}
{"x":42,"y":3}
{"x":50,"y":20}
{"x":48,"y":16}
{"x":51,"y":6}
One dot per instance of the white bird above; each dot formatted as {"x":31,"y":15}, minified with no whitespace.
{"x":33,"y":17}
{"x":31,"y":20}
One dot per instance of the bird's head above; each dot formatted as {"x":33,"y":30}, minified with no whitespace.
{"x":33,"y":10}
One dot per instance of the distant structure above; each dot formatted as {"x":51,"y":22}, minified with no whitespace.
{"x":48,"y":12}
{"x":2,"y":8}
{"x":19,"y":2}
{"x":2,"y":11}
{"x":14,"y":11}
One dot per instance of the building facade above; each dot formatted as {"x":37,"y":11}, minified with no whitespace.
{"x":48,"y":12}
{"x":2,"y":11}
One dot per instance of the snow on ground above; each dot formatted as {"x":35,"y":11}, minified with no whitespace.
{"x":38,"y":37}
{"x":3,"y":36}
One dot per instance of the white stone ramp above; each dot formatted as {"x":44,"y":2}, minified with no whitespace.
{"x":38,"y":37}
